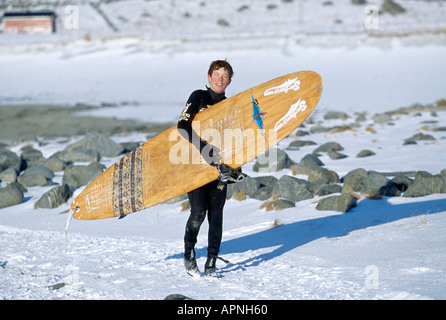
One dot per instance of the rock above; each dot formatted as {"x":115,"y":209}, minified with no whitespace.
{"x":277,"y":205}
{"x":354,"y":180}
{"x":292,"y":189}
{"x":378,"y":185}
{"x":103,"y":145}
{"x":248,"y":185}
{"x":55,"y":164}
{"x":54,"y":197}
{"x":310,"y":161}
{"x":79,"y":155}
{"x":330,"y":115}
{"x":425,"y":184}
{"x":327,"y":189}
{"x":77,"y":176}
{"x":402,"y":182}
{"x":297,"y":169}
{"x":265,"y":187}
{"x":272,"y":160}
{"x":35,"y":176}
{"x":418,"y":137}
{"x":259,"y":188}
{"x":300,"y":143}
{"x":301,"y":133}
{"x":318,"y":129}
{"x":38,"y":169}
{"x":381,"y":118}
{"x":176,"y":296}
{"x":358,"y":2}
{"x":361,"y":117}
{"x":129,"y":146}
{"x":443,"y":174}
{"x":365,"y":153}
{"x":329,"y":146}
{"x":31,"y":156}
{"x":334,"y":155}
{"x":32,"y":180}
{"x":392,"y":7}
{"x":342,"y":203}
{"x":9,"y":175}
{"x":9,"y":159}
{"x":321,"y":176}
{"x":11,"y":195}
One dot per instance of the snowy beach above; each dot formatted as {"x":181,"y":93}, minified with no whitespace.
{"x":389,"y":247}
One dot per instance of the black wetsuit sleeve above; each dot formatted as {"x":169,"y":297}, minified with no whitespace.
{"x":193,"y":106}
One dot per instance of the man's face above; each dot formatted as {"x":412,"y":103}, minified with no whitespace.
{"x":219,"y":80}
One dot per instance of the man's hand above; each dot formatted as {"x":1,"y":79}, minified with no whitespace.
{"x":227,"y":174}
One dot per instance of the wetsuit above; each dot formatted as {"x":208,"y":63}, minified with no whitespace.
{"x":211,"y":197}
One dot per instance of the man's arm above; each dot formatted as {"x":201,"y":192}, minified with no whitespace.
{"x":193,"y":105}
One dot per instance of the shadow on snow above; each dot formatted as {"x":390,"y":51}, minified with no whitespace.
{"x":287,"y":237}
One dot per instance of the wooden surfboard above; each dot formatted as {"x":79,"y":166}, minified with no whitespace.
{"x":168,"y":165}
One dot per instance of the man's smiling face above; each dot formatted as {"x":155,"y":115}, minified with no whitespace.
{"x":219,"y":80}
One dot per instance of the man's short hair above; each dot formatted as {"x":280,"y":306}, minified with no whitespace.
{"x":217,"y":64}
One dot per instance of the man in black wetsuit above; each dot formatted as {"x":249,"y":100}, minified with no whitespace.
{"x":209,"y":198}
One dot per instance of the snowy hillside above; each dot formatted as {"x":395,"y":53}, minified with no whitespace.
{"x":141,"y":59}
{"x":246,"y":19}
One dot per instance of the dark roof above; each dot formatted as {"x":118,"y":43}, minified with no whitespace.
{"x":29,"y":14}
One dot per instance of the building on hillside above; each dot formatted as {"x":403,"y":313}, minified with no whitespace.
{"x":29,"y":22}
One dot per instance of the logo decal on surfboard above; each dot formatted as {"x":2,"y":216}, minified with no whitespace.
{"x":290,"y":84}
{"x":257,"y":116}
{"x":299,"y":106}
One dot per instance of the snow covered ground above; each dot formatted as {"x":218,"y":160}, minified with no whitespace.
{"x":391,"y":248}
